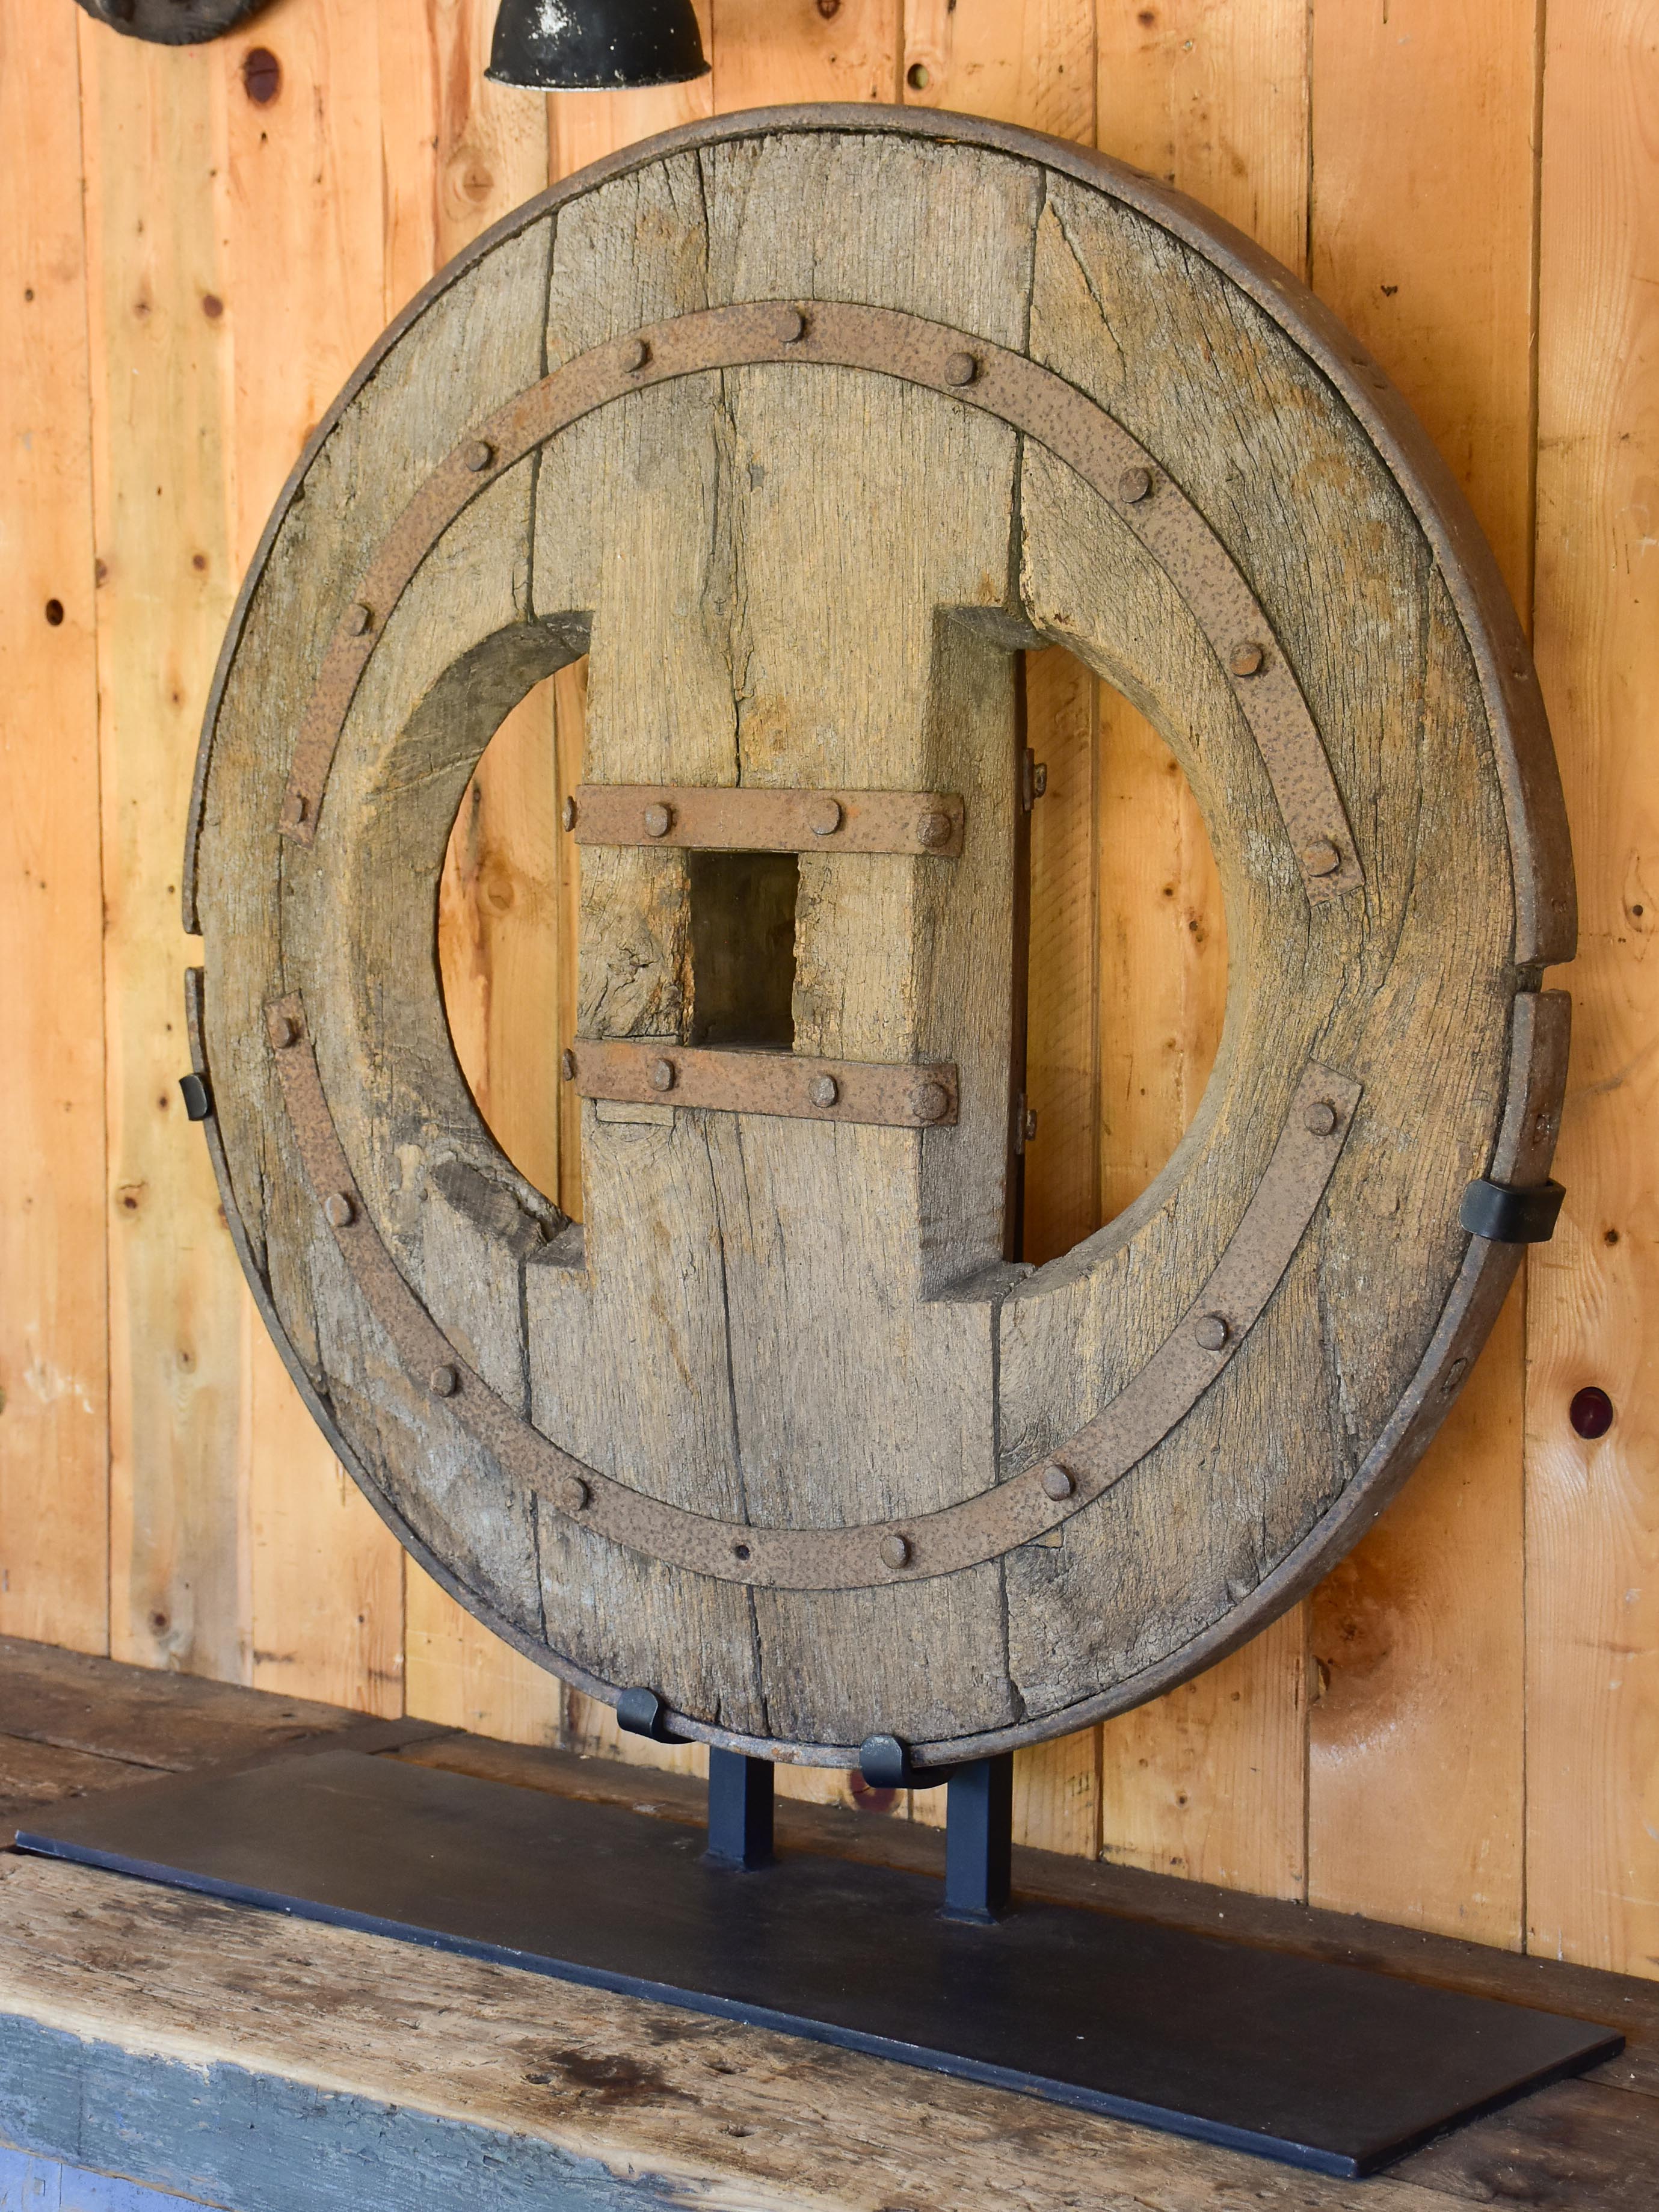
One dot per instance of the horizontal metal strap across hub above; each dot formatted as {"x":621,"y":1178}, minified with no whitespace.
{"x":722,"y":818}
{"x":641,"y":1071}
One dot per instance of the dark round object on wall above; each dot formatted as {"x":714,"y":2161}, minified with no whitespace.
{"x":1591,"y":1412}
{"x":173,"y":22}
{"x":596,"y":45}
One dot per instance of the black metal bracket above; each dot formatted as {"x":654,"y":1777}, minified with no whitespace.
{"x":198,"y":1099}
{"x":739,"y":1812}
{"x":885,"y":1762}
{"x":979,"y":1841}
{"x":1504,"y":1216}
{"x":642,"y":1712}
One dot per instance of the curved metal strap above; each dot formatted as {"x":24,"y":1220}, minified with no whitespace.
{"x":1018,"y":391}
{"x":1197,"y":1351}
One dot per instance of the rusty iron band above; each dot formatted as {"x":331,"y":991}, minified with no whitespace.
{"x":1028,"y":398}
{"x":643,"y":1071}
{"x":1044,"y":1496}
{"x":748,"y":818}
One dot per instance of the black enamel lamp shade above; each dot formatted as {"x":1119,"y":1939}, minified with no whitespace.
{"x":568,"y":45}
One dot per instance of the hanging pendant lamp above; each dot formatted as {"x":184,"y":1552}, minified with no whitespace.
{"x":600,"y":46}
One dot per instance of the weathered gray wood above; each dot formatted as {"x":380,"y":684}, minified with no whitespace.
{"x":142,"y":1716}
{"x":791,"y":575}
{"x":1409,"y":991}
{"x":35,"y":1774}
{"x":280,"y":2066}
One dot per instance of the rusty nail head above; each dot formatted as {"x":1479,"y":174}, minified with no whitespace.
{"x":568,"y":814}
{"x":358,"y":621}
{"x":663,"y":1075}
{"x":567,"y":1064}
{"x":1211,"y":1332}
{"x":635,"y":355}
{"x":933,"y":830}
{"x":284,"y":1031}
{"x":1320,"y":1118}
{"x":824,"y":817}
{"x":825,"y":1090}
{"x":1247,"y":659}
{"x":1321,"y":858}
{"x":478,"y":456}
{"x":338,"y":1210}
{"x":293,"y":809}
{"x":895,"y":1552}
{"x":961,"y":368}
{"x":791,"y":326}
{"x":1134,"y":485}
{"x":741,"y":1552}
{"x":928,"y":1101}
{"x":658,"y":820}
{"x":577,"y":1495}
{"x":443,"y":1381}
{"x":1057,"y":1483}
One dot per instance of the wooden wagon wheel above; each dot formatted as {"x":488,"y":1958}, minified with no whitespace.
{"x":801,"y":424}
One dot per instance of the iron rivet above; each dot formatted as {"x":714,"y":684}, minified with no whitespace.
{"x":338,"y":1210}
{"x":568,"y":814}
{"x":663,"y":1075}
{"x":284,"y":1031}
{"x":741,"y":1550}
{"x":294,"y":809}
{"x":658,"y":821}
{"x":791,"y":326}
{"x":1248,"y":660}
{"x":1057,"y":1483}
{"x":934,"y":831}
{"x":824,"y":817}
{"x":1211,"y":1332}
{"x":928,"y":1101}
{"x":358,"y":621}
{"x":1134,"y":485}
{"x":1321,"y":858}
{"x":825,"y":1090}
{"x":636,"y":355}
{"x":1320,"y":1118}
{"x":961,"y":368}
{"x":443,"y":1381}
{"x":567,"y":1066}
{"x":577,"y":1495}
{"x":895,"y":1552}
{"x":478,"y":456}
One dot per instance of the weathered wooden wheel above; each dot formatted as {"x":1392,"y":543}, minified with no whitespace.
{"x":801,"y":424}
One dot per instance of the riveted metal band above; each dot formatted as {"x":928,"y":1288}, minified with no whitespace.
{"x":1044,"y":1496}
{"x":744,"y":818}
{"x":1031,"y":398}
{"x":642,"y":1071}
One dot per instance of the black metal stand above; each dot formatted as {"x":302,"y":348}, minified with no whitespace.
{"x":739,"y":1812}
{"x":1321,"y":2065}
{"x":979,"y":1841}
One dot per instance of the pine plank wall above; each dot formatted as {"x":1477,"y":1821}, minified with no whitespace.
{"x":1462,"y":1729}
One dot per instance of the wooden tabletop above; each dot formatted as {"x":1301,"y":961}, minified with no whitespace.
{"x":264,"y":2064}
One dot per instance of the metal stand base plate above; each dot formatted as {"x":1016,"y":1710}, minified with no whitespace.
{"x":1325,"y":2066}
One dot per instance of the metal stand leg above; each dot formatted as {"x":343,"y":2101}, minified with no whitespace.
{"x":739,"y":1811}
{"x":979,"y":1835}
